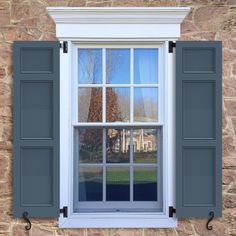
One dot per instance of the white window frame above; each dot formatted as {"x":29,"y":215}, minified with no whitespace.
{"x":107,"y":25}
{"x":131,"y":124}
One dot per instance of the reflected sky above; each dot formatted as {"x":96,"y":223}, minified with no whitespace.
{"x":118,"y":66}
{"x":89,"y":66}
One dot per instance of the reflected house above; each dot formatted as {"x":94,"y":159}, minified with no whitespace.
{"x":143,"y":140}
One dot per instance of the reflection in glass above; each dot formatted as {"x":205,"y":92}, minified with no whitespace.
{"x":118,"y":186}
{"x":89,"y":66}
{"x":90,"y":145}
{"x":146,"y":66}
{"x":145,"y":184}
{"x":145,"y":145}
{"x":117,"y":104}
{"x":90,"y":104}
{"x":90,"y":184}
{"x":118,"y":66}
{"x":145,"y":104}
{"x":117,"y":145}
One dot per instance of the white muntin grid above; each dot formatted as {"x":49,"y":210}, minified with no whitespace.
{"x":118,"y":205}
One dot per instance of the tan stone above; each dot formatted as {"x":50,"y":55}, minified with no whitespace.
{"x":229,"y":200}
{"x":5,"y":54}
{"x":229,"y":216}
{"x":228,"y":146}
{"x":228,"y":176}
{"x":97,"y":232}
{"x":126,"y":232}
{"x":130,"y":3}
{"x":4,"y":227}
{"x":22,"y":33}
{"x":198,"y":36}
{"x":200,"y":227}
{"x":5,"y":210}
{"x":99,"y":4}
{"x":210,"y":18}
{"x":159,"y":232}
{"x":20,"y":11}
{"x":38,"y":231}
{"x":2,"y":73}
{"x":19,"y":230}
{"x":230,"y":105}
{"x":77,"y":3}
{"x":76,"y":232}
{"x":4,"y":17}
{"x":229,"y":162}
{"x":184,"y":228}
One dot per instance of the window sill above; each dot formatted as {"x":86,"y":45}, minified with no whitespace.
{"x":116,"y":220}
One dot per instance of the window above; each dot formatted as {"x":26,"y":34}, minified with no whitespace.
{"x":134,"y":123}
{"x":118,"y":104}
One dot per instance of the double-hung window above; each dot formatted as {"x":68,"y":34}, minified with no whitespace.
{"x":118,"y":128}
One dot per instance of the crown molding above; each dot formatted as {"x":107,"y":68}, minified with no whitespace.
{"x":118,"y":15}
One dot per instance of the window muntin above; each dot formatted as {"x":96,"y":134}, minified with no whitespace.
{"x":111,"y":109}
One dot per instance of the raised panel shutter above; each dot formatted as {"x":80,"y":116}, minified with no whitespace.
{"x":198,"y":129}
{"x":36,"y":128}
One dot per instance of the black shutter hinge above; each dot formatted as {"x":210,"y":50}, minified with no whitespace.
{"x":171,"y":46}
{"x":64,"y":45}
{"x":64,"y":211}
{"x":172,"y":211}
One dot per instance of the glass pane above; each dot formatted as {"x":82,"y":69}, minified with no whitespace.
{"x":145,"y":145}
{"x":90,"y":184}
{"x":145,"y":184}
{"x":117,"y":104}
{"x":145,"y":104}
{"x":146,"y":66}
{"x":118,"y":186}
{"x":118,"y":66}
{"x":89,"y":66}
{"x":90,"y":145}
{"x":90,"y":104}
{"x":118,"y":145}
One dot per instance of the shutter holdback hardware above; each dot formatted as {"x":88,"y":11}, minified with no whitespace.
{"x":26,"y":218}
{"x":211,"y":214}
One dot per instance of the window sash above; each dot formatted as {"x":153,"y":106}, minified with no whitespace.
{"x":102,"y":206}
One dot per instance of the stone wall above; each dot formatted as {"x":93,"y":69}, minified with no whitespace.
{"x":208,"y":20}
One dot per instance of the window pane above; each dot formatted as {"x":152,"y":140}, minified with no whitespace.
{"x":90,"y":104}
{"x":90,"y":184}
{"x":90,"y":66}
{"x":118,"y":66}
{"x":117,"y":104}
{"x":90,"y":145}
{"x":146,"y":66}
{"x":118,"y":145}
{"x":145,"y":104}
{"x":145,"y":145}
{"x":118,"y":187}
{"x":145,"y":184}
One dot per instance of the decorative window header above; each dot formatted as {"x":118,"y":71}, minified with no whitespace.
{"x":118,"y":22}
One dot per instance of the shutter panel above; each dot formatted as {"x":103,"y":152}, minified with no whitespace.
{"x":198,"y":129}
{"x":36,"y":128}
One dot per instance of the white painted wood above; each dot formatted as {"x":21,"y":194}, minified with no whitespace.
{"x":118,"y":221}
{"x":118,"y":15}
{"x":118,"y":22}
{"x":127,"y":26}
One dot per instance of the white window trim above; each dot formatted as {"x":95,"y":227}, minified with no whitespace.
{"x":156,"y":25}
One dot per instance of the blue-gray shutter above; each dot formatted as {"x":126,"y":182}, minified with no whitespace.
{"x":36,"y":128}
{"x":198,"y":129}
